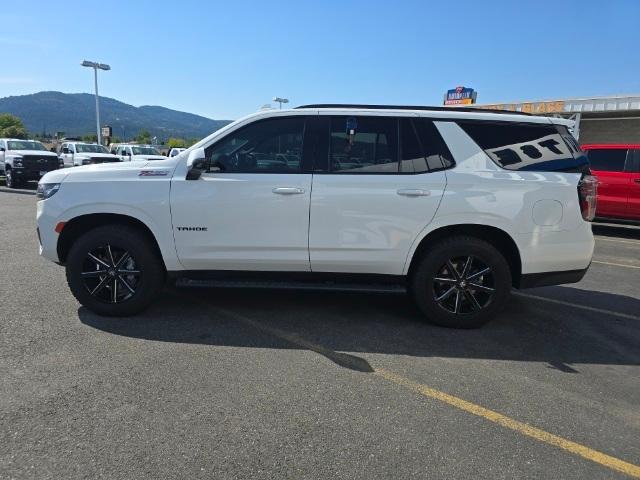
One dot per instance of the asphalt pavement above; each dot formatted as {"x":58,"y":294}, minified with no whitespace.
{"x":283,"y":384}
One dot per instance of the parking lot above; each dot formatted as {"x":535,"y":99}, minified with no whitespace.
{"x":284,"y":384}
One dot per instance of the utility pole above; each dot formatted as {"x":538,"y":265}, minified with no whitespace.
{"x":96,"y":66}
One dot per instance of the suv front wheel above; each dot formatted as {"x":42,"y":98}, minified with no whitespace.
{"x":114,"y":271}
{"x":462,"y":282}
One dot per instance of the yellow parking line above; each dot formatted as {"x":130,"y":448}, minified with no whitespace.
{"x":628,"y":316}
{"x":504,"y":421}
{"x":625,"y":265}
{"x":456,"y":402}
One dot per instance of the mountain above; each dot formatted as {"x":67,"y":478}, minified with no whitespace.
{"x":75,"y":115}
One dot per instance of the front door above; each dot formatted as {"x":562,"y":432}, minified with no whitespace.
{"x":633,"y":203}
{"x":380,"y":184}
{"x":250,"y":210}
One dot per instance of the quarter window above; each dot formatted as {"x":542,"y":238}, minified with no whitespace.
{"x":520,"y":146}
{"x":607,"y":159}
{"x":267,"y":146}
{"x":363,"y":145}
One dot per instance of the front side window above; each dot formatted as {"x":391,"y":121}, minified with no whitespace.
{"x":607,"y":159}
{"x":267,"y":146}
{"x":363,"y":145}
{"x":25,"y":145}
{"x":521,"y":146}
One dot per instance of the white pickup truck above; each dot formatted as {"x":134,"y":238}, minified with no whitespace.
{"x":24,"y":160}
{"x":456,"y":206}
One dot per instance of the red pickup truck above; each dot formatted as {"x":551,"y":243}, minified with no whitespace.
{"x":617,"y":168}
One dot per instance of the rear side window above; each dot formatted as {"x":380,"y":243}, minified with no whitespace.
{"x":363,"y":145}
{"x":436,"y":153}
{"x":521,"y":146}
{"x":607,"y":159}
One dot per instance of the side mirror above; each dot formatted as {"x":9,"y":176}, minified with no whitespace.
{"x":2,"y":149}
{"x":196,"y":164}
{"x":65,"y":150}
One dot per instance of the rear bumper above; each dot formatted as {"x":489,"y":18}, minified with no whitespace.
{"x":545,"y":279}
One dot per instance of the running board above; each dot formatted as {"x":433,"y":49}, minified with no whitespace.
{"x":282,"y":285}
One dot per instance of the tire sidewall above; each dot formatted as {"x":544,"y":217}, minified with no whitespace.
{"x":152,"y":272}
{"x":422,"y":281}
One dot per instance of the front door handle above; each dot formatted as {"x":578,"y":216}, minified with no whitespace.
{"x":288,"y":190}
{"x":637,"y":180}
{"x":414,"y":192}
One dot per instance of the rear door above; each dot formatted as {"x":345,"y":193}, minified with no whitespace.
{"x":609,"y":165}
{"x":373,"y":191}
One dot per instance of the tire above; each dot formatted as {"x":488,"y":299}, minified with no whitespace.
{"x":9,"y":180}
{"x":110,"y":274}
{"x":440,"y":292}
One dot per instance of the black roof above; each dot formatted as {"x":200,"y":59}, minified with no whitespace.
{"x":411,"y":107}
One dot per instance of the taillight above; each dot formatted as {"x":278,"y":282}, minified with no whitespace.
{"x":588,"y":195}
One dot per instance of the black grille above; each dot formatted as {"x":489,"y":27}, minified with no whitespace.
{"x":40,"y":163}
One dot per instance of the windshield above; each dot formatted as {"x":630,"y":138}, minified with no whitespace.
{"x":145,"y":151}
{"x":90,"y":148}
{"x":25,"y":145}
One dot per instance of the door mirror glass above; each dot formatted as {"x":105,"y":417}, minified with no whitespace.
{"x":65,"y":150}
{"x":196,"y":163}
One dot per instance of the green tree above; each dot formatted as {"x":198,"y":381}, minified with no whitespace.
{"x":11,"y":126}
{"x":176,"y":143}
{"x":90,"y":138}
{"x":192,"y":141}
{"x":143,"y":136}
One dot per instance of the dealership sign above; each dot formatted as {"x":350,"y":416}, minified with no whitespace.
{"x":460,"y":96}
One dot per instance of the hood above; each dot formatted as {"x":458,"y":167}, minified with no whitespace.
{"x":148,"y":157}
{"x":39,"y":153}
{"x":96,"y":155}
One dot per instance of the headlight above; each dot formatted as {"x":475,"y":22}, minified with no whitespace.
{"x":86,"y":161}
{"x":46,"y":190}
{"x":17,"y":162}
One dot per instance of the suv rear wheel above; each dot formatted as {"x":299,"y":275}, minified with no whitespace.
{"x":114,"y":270}
{"x":462,"y":282}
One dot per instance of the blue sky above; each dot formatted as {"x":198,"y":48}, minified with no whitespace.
{"x":226,"y":59}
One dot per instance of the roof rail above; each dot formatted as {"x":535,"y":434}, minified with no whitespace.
{"x":411,"y":107}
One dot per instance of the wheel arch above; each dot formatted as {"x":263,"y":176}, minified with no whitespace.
{"x":75,"y":227}
{"x":493,"y":235}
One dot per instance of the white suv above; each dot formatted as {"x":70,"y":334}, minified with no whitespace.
{"x":455,"y":205}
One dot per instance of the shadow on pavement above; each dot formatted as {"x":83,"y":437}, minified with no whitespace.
{"x":617,"y":230}
{"x":528,"y":330}
{"x":27,"y":189}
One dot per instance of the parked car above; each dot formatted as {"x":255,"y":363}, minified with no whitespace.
{"x":617,"y":168}
{"x":457,"y":206}
{"x":138,"y":152}
{"x":75,"y":154}
{"x":176,"y":151}
{"x":24,"y":160}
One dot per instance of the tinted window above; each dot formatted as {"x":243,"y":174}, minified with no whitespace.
{"x":610,"y":160}
{"x":363,"y":145}
{"x":436,"y":153}
{"x":410,"y":148}
{"x":518,"y":146}
{"x":267,"y":146}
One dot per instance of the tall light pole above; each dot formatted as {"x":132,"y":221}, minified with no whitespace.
{"x":97,"y":66}
{"x":280,"y":101}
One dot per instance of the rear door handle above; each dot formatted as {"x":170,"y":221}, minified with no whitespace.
{"x":288,"y":190}
{"x":637,"y":180}
{"x":414,"y":192}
